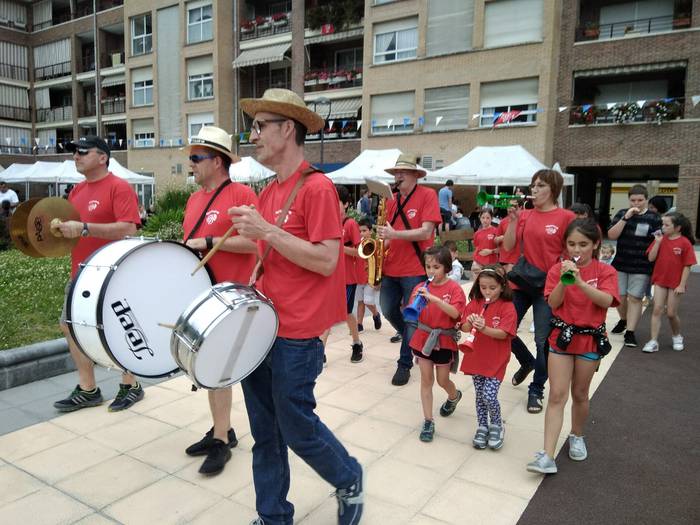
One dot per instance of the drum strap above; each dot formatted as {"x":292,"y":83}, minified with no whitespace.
{"x":206,"y":209}
{"x":258,"y":270}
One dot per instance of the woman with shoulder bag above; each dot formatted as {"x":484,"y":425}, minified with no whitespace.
{"x":539,"y":233}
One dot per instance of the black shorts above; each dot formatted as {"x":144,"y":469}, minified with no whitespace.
{"x":350,"y":297}
{"x":446,"y":215}
{"x":443,"y":356}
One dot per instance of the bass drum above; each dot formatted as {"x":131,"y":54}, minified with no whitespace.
{"x":122,"y":293}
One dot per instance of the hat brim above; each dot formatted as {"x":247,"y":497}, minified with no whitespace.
{"x":71,"y":147}
{"x":416,"y":171}
{"x":232,"y":156}
{"x":310,"y":120}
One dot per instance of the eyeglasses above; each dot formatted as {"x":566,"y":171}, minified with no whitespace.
{"x":259,"y":125}
{"x":199,"y":158}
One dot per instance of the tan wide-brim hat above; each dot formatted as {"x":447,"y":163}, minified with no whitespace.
{"x":286,"y":103}
{"x":407,"y":162}
{"x":213,"y":138}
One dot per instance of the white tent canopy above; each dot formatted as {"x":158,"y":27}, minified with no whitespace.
{"x":249,"y":170}
{"x":494,"y":166}
{"x":15,"y":173}
{"x":369,"y":163}
{"x":64,"y":173}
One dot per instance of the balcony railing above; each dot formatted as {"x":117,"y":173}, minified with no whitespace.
{"x":14,"y":72}
{"x":656,"y":111}
{"x":322,"y":79}
{"x":113,"y":105}
{"x":88,"y":110}
{"x":54,"y":114}
{"x":14,"y":24}
{"x":266,"y":26}
{"x":594,"y":31}
{"x":52,"y":71}
{"x":109,"y":4}
{"x":87,"y":63}
{"x":15,"y":113}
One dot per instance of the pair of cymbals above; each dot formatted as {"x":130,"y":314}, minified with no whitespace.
{"x":31,"y":227}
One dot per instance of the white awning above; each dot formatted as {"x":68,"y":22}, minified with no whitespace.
{"x":261,"y":55}
{"x":630,"y":70}
{"x":340,"y":108}
{"x":340,"y":35}
{"x":113,"y":80}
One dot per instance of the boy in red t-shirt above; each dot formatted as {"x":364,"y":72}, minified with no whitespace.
{"x":367,"y":294}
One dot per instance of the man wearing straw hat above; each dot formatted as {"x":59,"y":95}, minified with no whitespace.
{"x":298,"y":227}
{"x":410,"y":230}
{"x":205,"y":222}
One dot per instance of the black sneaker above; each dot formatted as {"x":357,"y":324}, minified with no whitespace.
{"x":449,"y":406}
{"x":534,"y":404}
{"x":360,"y":328}
{"x":377,"y":321}
{"x":630,"y":339}
{"x":401,"y":376}
{"x":395,"y":338}
{"x":356,"y":353}
{"x":427,"y":433}
{"x":202,"y":446}
{"x":78,"y":399}
{"x":218,"y":455}
{"x":619,"y":327}
{"x":127,"y":396}
{"x":521,"y":374}
{"x":350,"y":503}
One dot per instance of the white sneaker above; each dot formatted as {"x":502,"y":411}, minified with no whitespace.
{"x":677,"y":342}
{"x":653,"y":346}
{"x":543,"y":464}
{"x":577,"y":448}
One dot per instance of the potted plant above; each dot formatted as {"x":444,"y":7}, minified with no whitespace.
{"x":262,"y":22}
{"x":681,"y":20}
{"x":323,"y":77}
{"x":280,"y":19}
{"x":591,"y":30}
{"x":338,"y":77}
{"x":248,"y":26}
{"x":349,"y":130}
{"x":311,"y":78}
{"x":332,"y":132}
{"x":358,"y":74}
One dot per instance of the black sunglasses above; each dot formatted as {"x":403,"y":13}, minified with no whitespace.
{"x":82,"y":152}
{"x":199,"y":158}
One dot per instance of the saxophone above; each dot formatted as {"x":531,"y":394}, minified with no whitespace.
{"x":373,"y":249}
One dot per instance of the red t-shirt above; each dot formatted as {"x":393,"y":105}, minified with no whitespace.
{"x":401,"y":259}
{"x":577,"y":308}
{"x":226,"y":266}
{"x":543,"y":234}
{"x":351,"y":238}
{"x":673,"y":256}
{"x":307,"y":303}
{"x":485,"y":239}
{"x":490,"y":356}
{"x":507,"y":256}
{"x":434,"y":317}
{"x":105,"y":201}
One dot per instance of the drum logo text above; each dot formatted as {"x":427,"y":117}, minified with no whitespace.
{"x":133,"y":333}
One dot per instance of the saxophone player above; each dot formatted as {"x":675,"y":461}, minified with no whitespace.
{"x":409,"y":230}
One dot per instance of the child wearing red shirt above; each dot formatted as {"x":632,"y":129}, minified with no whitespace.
{"x":674,"y":254}
{"x":492,"y":320}
{"x":485,"y":249}
{"x":433,"y":346}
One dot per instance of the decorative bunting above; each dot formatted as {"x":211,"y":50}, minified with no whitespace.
{"x":121,"y":141}
{"x":179,"y":141}
{"x":586,"y":107}
{"x":52,"y":141}
{"x":506,"y":117}
{"x":343,"y":123}
{"x":46,"y":148}
{"x":162,"y":142}
{"x":562,"y":109}
{"x":330,"y":124}
{"x":611,"y":105}
{"x":23,"y":141}
{"x":359,"y":124}
{"x":8,"y":140}
{"x":421,"y":121}
{"x":128,"y":142}
{"x":406,"y":121}
{"x":476,"y":116}
{"x":37,"y":140}
{"x":641,"y":103}
{"x":389,"y":122}
{"x":438,"y":120}
{"x":374,"y":123}
{"x":695,"y":99}
{"x":171,"y":143}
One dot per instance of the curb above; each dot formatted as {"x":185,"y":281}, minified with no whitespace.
{"x":26,"y":364}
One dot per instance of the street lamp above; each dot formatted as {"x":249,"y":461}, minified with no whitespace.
{"x":322,"y":101}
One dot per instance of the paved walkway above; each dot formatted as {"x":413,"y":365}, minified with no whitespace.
{"x":96,"y":467}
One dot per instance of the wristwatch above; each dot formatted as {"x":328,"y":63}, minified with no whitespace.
{"x":85,"y":231}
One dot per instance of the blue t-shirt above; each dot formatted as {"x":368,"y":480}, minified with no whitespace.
{"x":444,"y":196}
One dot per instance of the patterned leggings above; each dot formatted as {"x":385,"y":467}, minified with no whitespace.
{"x":486,"y":389}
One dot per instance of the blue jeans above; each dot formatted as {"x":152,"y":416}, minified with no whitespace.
{"x":541,"y":313}
{"x":394,"y":292}
{"x":279,"y":398}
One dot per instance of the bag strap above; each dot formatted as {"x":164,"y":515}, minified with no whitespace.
{"x":257,"y":270}
{"x":400,"y":213}
{"x":206,"y":209}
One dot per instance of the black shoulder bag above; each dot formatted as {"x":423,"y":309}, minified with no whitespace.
{"x":527,"y":276}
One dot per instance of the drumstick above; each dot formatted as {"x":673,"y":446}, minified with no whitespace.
{"x":169,"y":326}
{"x":214,"y":249}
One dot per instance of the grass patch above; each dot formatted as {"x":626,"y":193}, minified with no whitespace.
{"x":32,"y":298}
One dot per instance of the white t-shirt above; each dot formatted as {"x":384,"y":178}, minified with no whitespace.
{"x":456,"y":272}
{"x":9,"y":195}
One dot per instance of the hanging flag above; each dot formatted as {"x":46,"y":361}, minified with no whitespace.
{"x":586,"y":107}
{"x":562,"y":109}
{"x":476,"y":116}
{"x":505,"y":117}
{"x":695,"y":99}
{"x":37,"y":140}
{"x":406,"y":121}
{"x":359,"y":124}
{"x":327,"y":29}
{"x":421,"y":121}
{"x":438,"y":120}
{"x":641,"y":103}
{"x":611,"y":105}
{"x":389,"y":122}
{"x":8,"y":140}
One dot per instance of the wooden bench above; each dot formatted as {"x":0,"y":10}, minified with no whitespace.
{"x":461,"y":235}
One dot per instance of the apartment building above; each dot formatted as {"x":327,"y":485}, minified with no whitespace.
{"x":629,"y":72}
{"x":438,"y":74}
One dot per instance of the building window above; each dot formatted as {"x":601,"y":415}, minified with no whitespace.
{"x":143,"y":133}
{"x":201,"y":86}
{"x":143,"y":93}
{"x":446,"y":108}
{"x":512,"y":95}
{"x":509,"y":22}
{"x":394,"y":41}
{"x":141,"y":35}
{"x":348,"y":59}
{"x":196,"y":121}
{"x":199,"y":23}
{"x":450,"y":27}
{"x":393,"y":113}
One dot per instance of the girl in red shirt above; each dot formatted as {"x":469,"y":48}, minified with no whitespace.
{"x":578,"y":339}
{"x":674,"y":254}
{"x":433,"y":343}
{"x":491,"y":314}
{"x":485,"y":249}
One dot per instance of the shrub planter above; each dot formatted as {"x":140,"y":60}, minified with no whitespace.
{"x":26,"y":364}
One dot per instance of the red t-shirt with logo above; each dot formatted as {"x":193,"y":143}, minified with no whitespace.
{"x":105,"y":201}
{"x":307,"y":303}
{"x":672,"y":257}
{"x":351,"y":238}
{"x":507,"y":256}
{"x":485,"y":239}
{"x":401,"y":259}
{"x":434,"y":317}
{"x":226,"y":266}
{"x":490,"y":356}
{"x":577,"y":308}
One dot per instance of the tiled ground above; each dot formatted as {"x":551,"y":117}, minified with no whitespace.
{"x":95,"y":467}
